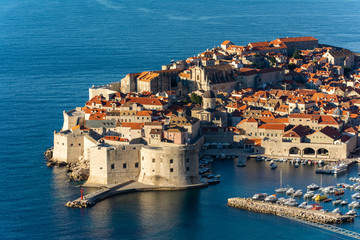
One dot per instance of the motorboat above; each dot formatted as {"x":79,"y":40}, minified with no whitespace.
{"x":214,"y":181}
{"x":351,"y":212}
{"x":337,"y":202}
{"x":309,"y":194}
{"x":339,"y":192}
{"x":320,"y":198}
{"x":328,"y":200}
{"x":313,"y":186}
{"x":315,"y":196}
{"x":337,"y":210}
{"x":356,"y":196}
{"x":290,"y":191}
{"x":281,"y":200}
{"x":271,"y":198}
{"x":291,"y":202}
{"x":281,"y":189}
{"x":296,"y":165}
{"x":344,"y":202}
{"x":273,"y":165}
{"x":298,"y":193}
{"x":303,"y":205}
{"x":339,"y":168}
{"x":316,"y":207}
{"x":259,"y":196}
{"x":354,"y":204}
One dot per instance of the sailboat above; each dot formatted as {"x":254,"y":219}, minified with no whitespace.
{"x":281,"y":189}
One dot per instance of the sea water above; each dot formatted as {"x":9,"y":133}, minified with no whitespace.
{"x":51,"y":52}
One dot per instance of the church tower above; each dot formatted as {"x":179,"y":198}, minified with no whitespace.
{"x":209,"y":100}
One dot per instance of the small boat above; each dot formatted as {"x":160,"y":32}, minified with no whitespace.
{"x":303,"y":205}
{"x":351,"y":212}
{"x":213,"y":181}
{"x":258,"y":158}
{"x":337,"y":210}
{"x":273,"y":165}
{"x":296,"y":165}
{"x":339,"y":192}
{"x":281,"y":190}
{"x":271,"y":198}
{"x":291,"y":202}
{"x":316,"y":207}
{"x":328,"y":200}
{"x":259,"y":196}
{"x":354,"y":204}
{"x":337,"y":202}
{"x":313,"y":186}
{"x":290,"y":191}
{"x":356,"y":195}
{"x":222,"y":156}
{"x":320,"y":198}
{"x":309,"y":194}
{"x":344,"y":202}
{"x":315,"y":196}
{"x":298,"y":193}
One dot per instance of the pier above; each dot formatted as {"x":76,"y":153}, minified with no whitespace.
{"x":309,"y":215}
{"x":105,"y":192}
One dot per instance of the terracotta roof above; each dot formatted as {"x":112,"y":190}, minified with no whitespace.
{"x":133,"y":126}
{"x":271,"y":126}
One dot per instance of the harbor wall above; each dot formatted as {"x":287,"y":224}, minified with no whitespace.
{"x":287,"y":211}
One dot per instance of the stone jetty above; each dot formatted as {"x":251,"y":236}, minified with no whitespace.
{"x":287,"y":211}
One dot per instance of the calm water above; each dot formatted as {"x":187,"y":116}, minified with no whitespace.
{"x":52,"y":51}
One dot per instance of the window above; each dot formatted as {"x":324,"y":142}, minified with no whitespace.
{"x":136,"y":165}
{"x":171,"y":160}
{"x":142,"y":158}
{"x":153,"y":160}
{"x":187,"y":160}
{"x":71,"y":145}
{"x":124,"y":165}
{"x":79,"y":144}
{"x":171,"y":170}
{"x":112,"y":166}
{"x":187,"y":169}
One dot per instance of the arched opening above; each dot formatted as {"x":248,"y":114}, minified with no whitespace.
{"x":309,"y":151}
{"x":294,"y":151}
{"x":322,"y":152}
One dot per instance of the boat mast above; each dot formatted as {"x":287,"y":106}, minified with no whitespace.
{"x":281,"y":178}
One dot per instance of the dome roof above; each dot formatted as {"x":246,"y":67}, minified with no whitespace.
{"x":209,"y":94}
{"x":337,"y":112}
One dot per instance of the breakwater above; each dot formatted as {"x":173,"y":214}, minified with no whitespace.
{"x":91,"y":199}
{"x":287,"y":211}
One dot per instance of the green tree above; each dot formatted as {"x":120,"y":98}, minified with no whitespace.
{"x":195,"y":98}
{"x":296,"y":54}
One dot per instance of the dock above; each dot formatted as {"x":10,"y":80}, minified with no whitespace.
{"x":308,"y":215}
{"x":105,"y":192}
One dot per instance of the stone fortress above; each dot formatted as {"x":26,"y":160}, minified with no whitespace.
{"x":144,"y":128}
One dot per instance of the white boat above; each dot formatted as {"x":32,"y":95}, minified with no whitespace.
{"x":344,"y":202}
{"x":290,"y":191}
{"x":281,"y":189}
{"x":351,"y":212}
{"x":309,"y":194}
{"x":337,"y":210}
{"x":354,"y":204}
{"x":356,"y":196}
{"x":298,"y":193}
{"x":337,"y":202}
{"x":291,"y":202}
{"x":271,"y":198}
{"x":303,"y":205}
{"x":315,"y":196}
{"x":339,"y":168}
{"x":313,"y":186}
{"x":296,"y":165}
{"x":259,"y":196}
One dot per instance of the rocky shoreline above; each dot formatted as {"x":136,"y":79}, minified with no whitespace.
{"x":293,"y":212}
{"x":76,"y":171}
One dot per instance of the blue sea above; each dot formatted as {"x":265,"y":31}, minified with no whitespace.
{"x":51,"y":52}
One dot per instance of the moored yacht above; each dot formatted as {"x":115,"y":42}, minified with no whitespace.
{"x":337,"y":210}
{"x":351,"y":212}
{"x":309,"y":194}
{"x":313,"y":186}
